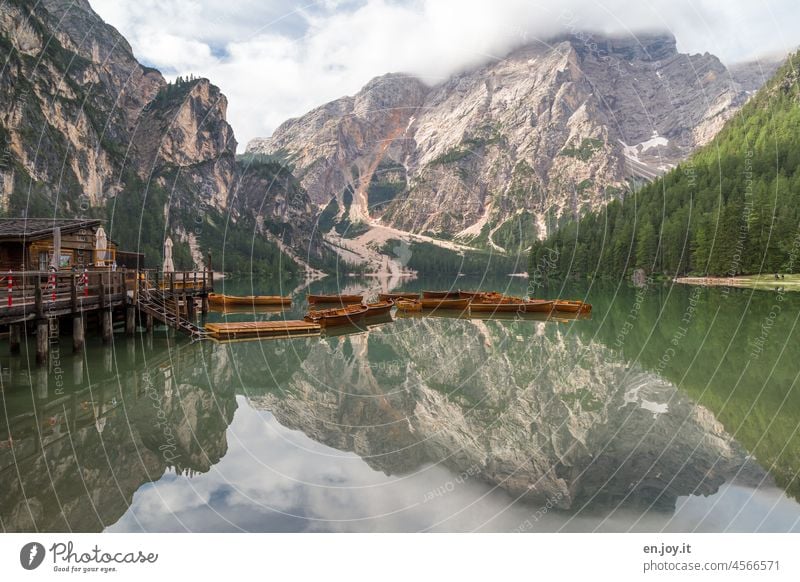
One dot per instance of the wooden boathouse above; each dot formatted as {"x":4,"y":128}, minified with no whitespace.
{"x":61,"y":273}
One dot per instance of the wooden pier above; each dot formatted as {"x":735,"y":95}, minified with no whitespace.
{"x":41,"y":303}
{"x":256,"y":329}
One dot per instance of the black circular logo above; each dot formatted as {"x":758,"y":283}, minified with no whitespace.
{"x":31,"y":555}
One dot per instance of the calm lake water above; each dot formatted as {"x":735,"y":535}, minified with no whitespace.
{"x":671,"y":409}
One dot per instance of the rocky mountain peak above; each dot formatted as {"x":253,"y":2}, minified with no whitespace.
{"x":645,"y":46}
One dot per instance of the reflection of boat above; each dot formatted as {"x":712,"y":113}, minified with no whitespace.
{"x":445,"y":303}
{"x":379,"y":308}
{"x":395,"y":296}
{"x":566,"y":316}
{"x":408,"y":305}
{"x":516,"y":316}
{"x":335,"y":299}
{"x":441,"y":295}
{"x":245,"y":300}
{"x":345,"y":329}
{"x":345,"y":316}
{"x":572,"y":306}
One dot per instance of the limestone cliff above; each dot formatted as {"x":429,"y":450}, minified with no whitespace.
{"x":86,"y":130}
{"x":521,"y":143}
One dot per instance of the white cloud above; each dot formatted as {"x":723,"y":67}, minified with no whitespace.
{"x":278,"y":59}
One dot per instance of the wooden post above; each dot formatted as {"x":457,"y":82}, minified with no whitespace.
{"x":172,"y":283}
{"x":42,"y":340}
{"x":189,"y":307}
{"x":130,"y":320}
{"x":78,"y":333}
{"x":14,"y":337}
{"x":37,"y":297}
{"x":106,"y":325}
{"x":102,"y":291}
{"x":148,"y":322}
{"x":73,"y":292}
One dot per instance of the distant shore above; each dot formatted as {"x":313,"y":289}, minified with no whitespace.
{"x":764,"y":282}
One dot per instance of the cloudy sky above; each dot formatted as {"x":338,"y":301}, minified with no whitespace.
{"x":276,"y":59}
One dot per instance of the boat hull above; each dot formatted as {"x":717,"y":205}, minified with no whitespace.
{"x":572,"y":307}
{"x":441,"y":295}
{"x":379,"y":308}
{"x":334,"y":317}
{"x":497,"y":307}
{"x":409,"y":306}
{"x":538,"y":306}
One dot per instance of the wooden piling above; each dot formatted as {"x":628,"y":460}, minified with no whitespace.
{"x":130,"y":320}
{"x":14,"y":337}
{"x":42,"y":341}
{"x":106,"y":325}
{"x":78,"y":333}
{"x":148,"y":322}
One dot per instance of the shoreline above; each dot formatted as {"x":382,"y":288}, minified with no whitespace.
{"x":744,"y":282}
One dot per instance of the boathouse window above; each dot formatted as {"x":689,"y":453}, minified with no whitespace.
{"x":44,"y":260}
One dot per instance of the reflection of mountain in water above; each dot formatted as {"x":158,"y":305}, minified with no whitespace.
{"x":528,"y":405}
{"x":75,"y":462}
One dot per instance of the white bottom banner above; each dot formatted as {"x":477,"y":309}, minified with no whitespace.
{"x":353,"y":557}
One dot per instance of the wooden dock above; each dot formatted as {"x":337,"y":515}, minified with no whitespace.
{"x":258,"y":329}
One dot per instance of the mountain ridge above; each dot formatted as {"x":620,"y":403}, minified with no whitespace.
{"x":524,"y":143}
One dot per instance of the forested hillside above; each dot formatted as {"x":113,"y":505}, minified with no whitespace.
{"x":732,"y":208}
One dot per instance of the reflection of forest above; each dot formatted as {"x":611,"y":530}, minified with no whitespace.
{"x":72,"y":462}
{"x":734,"y":358}
{"x":530,"y":406}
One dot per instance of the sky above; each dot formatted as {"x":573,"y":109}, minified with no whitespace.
{"x":277,"y":59}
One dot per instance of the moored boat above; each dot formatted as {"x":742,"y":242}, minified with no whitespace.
{"x":538,"y":306}
{"x":379,"y":308}
{"x":409,"y":305}
{"x":494,"y":297}
{"x":349,"y":315}
{"x":396,"y":296}
{"x":441,"y":295}
{"x":572,"y":306}
{"x":343,"y":299}
{"x":496,"y":307}
{"x":437,"y":303}
{"x":245,"y":300}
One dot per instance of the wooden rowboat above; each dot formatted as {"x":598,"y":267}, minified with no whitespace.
{"x":471,"y":294}
{"x":395,"y":296}
{"x":441,"y":295}
{"x":445,"y":303}
{"x":538,"y":306}
{"x":497,"y":307}
{"x":572,"y":306}
{"x":343,"y":299}
{"x":245,"y":300}
{"x":349,"y":315}
{"x":379,"y":308}
{"x":408,"y":305}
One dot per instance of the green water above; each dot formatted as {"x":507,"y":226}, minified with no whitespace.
{"x":672,"y":408}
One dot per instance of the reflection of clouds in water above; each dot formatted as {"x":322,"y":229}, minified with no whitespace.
{"x":281,"y":480}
